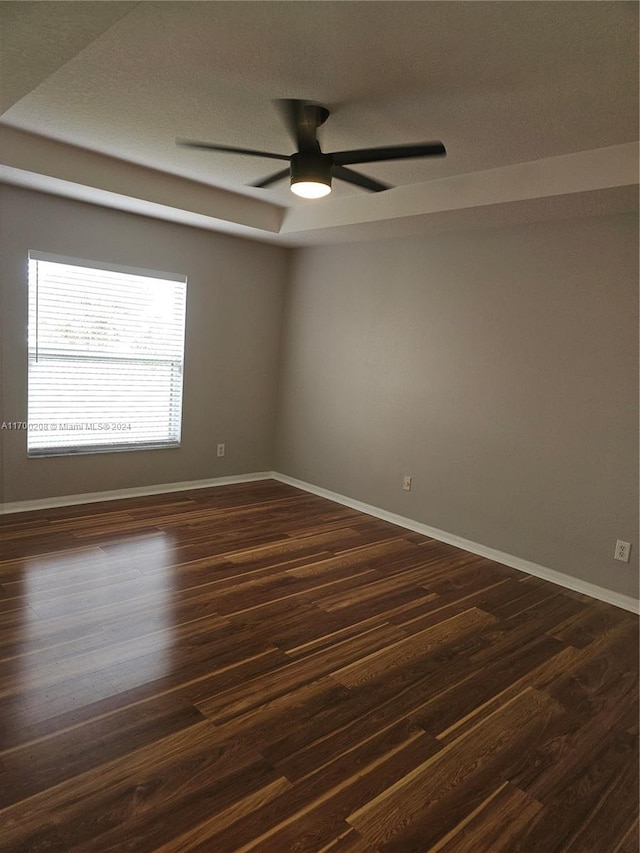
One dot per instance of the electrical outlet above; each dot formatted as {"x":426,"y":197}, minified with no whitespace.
{"x":406,"y":482}
{"x":623,"y":549}
{"x":220,"y":451}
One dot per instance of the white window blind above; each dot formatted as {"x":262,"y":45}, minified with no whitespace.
{"x":106,"y":354}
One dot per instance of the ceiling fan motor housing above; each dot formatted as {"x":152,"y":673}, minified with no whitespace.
{"x":314,"y":167}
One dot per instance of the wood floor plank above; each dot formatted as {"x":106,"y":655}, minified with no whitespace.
{"x":431,"y":800}
{"x":70,"y":753}
{"x":255,"y":668}
{"x":630,"y":843}
{"x":538,"y":677}
{"x":350,"y":842}
{"x":582,"y":806}
{"x":302,"y":671}
{"x":314,"y":810}
{"x":372,"y":665}
{"x":496,"y":824}
{"x":145,"y":788}
{"x":608,"y":811}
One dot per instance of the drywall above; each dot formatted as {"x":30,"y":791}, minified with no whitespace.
{"x":499,"y":368}
{"x":235,"y":290}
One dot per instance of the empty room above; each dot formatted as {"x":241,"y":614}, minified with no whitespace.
{"x":319,"y":427}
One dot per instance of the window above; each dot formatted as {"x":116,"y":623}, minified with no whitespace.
{"x":106,"y":353}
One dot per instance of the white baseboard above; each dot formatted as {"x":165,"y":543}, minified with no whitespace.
{"x":626,"y":602}
{"x":135,"y":492}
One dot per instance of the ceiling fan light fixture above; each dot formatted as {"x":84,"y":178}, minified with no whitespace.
{"x":310,"y":189}
{"x":310,"y":174}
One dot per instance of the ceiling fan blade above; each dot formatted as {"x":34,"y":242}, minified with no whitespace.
{"x":302,"y":119}
{"x":395,"y":152}
{"x":271,"y":179}
{"x":208,"y":146}
{"x":359,"y":180}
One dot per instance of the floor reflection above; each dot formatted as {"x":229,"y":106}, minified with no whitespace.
{"x":68,"y":621}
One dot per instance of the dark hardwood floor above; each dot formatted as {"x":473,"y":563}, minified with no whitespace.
{"x":254,"y":668}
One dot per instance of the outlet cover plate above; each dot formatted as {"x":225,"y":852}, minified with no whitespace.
{"x":623,"y":549}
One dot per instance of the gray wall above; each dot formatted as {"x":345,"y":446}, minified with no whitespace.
{"x":235,"y":291}
{"x":498,"y":367}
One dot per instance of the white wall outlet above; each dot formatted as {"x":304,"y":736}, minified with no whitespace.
{"x":220,"y":450}
{"x":406,"y":483}
{"x":623,"y":549}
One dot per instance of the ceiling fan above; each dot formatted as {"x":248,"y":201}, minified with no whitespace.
{"x":310,"y":169}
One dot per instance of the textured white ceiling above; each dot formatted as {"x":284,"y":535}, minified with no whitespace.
{"x":499,"y":83}
{"x":37,"y":38}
